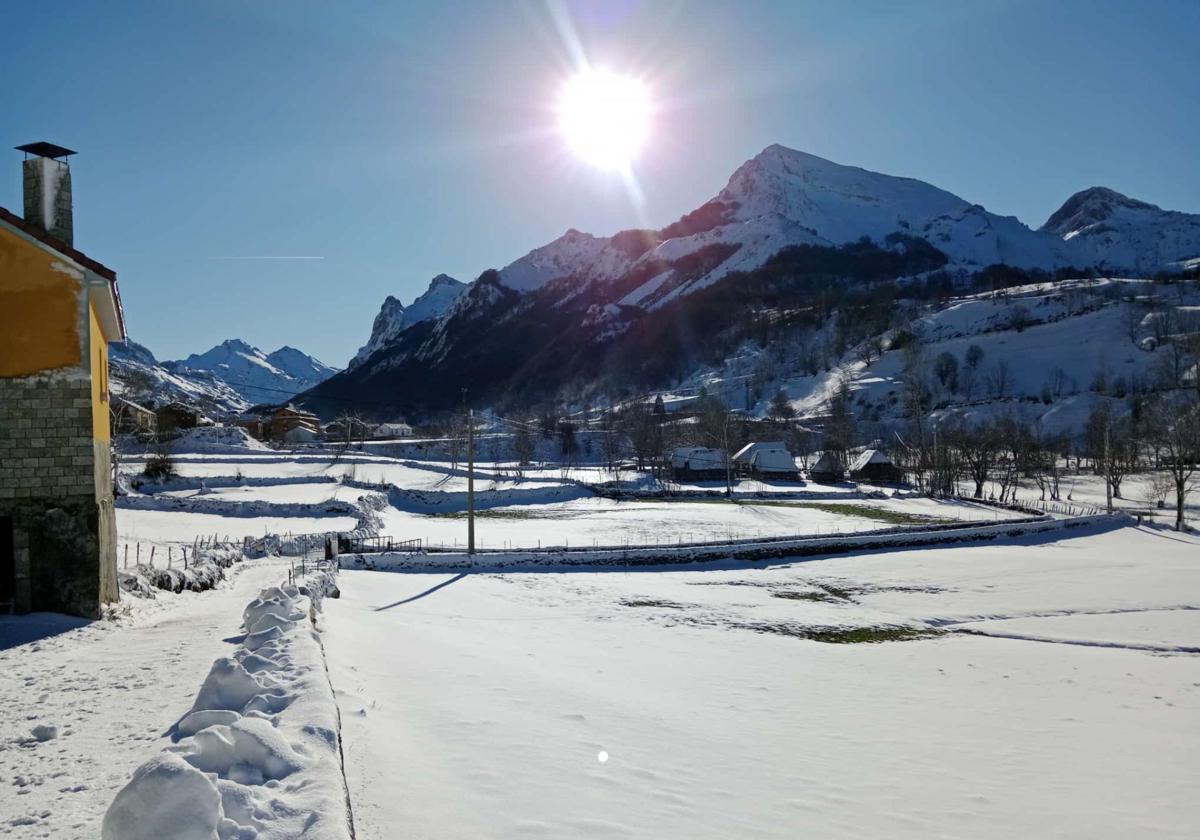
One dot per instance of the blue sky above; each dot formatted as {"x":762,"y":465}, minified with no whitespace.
{"x":396,"y":141}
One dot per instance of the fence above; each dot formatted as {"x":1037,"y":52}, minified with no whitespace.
{"x":350,"y":544}
{"x":285,"y":545}
{"x":171,"y":554}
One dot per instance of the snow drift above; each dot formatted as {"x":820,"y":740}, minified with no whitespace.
{"x":259,"y":753}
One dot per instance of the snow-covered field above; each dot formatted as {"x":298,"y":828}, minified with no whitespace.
{"x":666,"y":703}
{"x":1049,"y":680}
{"x":600,"y":521}
{"x":275,"y":494}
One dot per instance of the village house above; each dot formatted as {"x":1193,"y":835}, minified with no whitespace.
{"x":765,"y":459}
{"x":176,"y":416}
{"x":252,"y":423}
{"x":129,"y":418}
{"x":346,"y":430}
{"x":58,"y":310}
{"x":398,"y":429}
{"x":875,"y":466}
{"x":291,"y":424}
{"x":699,"y":463}
{"x":827,"y":469}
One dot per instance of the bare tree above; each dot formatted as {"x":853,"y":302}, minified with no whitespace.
{"x":716,"y":425}
{"x":979,"y":448}
{"x":999,"y":378}
{"x":780,"y":408}
{"x":946,"y":370}
{"x":1043,"y":464}
{"x":1113,"y":446}
{"x":524,"y":445}
{"x":643,"y":431}
{"x":972,"y":359}
{"x":840,"y":426}
{"x":1175,"y":429}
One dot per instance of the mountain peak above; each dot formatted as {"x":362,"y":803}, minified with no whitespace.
{"x":394,"y":317}
{"x":237,"y":346}
{"x":1087,"y":207}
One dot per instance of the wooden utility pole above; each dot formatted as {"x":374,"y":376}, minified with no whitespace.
{"x":1108,"y":489}
{"x":470,"y":481}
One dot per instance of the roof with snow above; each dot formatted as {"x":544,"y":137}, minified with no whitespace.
{"x":750,"y":449}
{"x":871,"y":456}
{"x":828,"y":462}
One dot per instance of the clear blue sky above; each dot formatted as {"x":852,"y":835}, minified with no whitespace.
{"x":400,"y":140}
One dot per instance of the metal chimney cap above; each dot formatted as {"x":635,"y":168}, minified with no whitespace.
{"x":44,"y":149}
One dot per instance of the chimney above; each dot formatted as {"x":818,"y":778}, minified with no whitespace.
{"x":48,"y":189}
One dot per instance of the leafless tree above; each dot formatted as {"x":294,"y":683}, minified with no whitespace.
{"x":1112,"y":443}
{"x":524,"y":445}
{"x":716,"y":425}
{"x":840,"y":425}
{"x":1174,"y":427}
{"x":979,"y":448}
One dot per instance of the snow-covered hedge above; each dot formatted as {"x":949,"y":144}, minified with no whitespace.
{"x":203,"y":572}
{"x":259,"y":753}
{"x":236,"y":508}
{"x":761,"y":549}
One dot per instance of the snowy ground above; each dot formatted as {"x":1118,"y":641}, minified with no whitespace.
{"x":673,"y":703}
{"x":601,"y":521}
{"x":112,"y":689}
{"x":544,"y":507}
{"x":1054,"y":682}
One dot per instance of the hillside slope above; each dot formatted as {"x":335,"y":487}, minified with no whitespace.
{"x":141,"y":378}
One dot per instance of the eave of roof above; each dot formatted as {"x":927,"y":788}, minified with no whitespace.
{"x":35,"y":232}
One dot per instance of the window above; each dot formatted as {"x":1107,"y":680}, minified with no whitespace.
{"x":102,"y":372}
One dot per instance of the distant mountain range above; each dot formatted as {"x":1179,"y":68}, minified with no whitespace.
{"x":259,"y":377}
{"x":588,"y":317}
{"x":228,"y":378}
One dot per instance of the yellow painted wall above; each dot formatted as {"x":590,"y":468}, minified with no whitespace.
{"x":39,"y":310}
{"x":98,"y":354}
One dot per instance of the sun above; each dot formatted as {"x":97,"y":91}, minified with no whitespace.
{"x":605,"y":118}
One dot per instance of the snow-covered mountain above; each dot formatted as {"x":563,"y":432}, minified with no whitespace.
{"x":783,"y":197}
{"x":587,"y":309}
{"x":257,"y":376}
{"x":139,"y":377}
{"x":394,"y":317}
{"x":1108,"y":229}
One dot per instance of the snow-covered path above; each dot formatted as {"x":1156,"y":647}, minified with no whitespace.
{"x":112,"y":690}
{"x":481,"y":705}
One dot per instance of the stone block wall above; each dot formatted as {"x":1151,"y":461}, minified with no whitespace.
{"x":55,"y":484}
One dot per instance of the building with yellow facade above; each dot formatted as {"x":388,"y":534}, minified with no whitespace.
{"x":58,"y":310}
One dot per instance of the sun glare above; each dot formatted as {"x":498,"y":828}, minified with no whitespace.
{"x":605,"y":118}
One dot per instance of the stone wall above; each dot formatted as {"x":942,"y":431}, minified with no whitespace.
{"x":55,"y":484}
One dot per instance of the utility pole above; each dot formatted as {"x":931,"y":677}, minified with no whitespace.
{"x":470,"y":481}
{"x":1108,"y":490}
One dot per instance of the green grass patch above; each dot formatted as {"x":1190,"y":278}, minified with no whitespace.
{"x":862,"y":511}
{"x":654,"y":603}
{"x":847,"y":635}
{"x":891,"y":517}
{"x":493,"y":514}
{"x":792,"y":595}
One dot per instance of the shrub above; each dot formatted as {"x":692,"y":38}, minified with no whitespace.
{"x":160,"y":467}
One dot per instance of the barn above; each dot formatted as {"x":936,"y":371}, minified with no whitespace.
{"x":875,"y":466}
{"x":827,"y":469}
{"x":766,"y":459}
{"x":698,"y":463}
